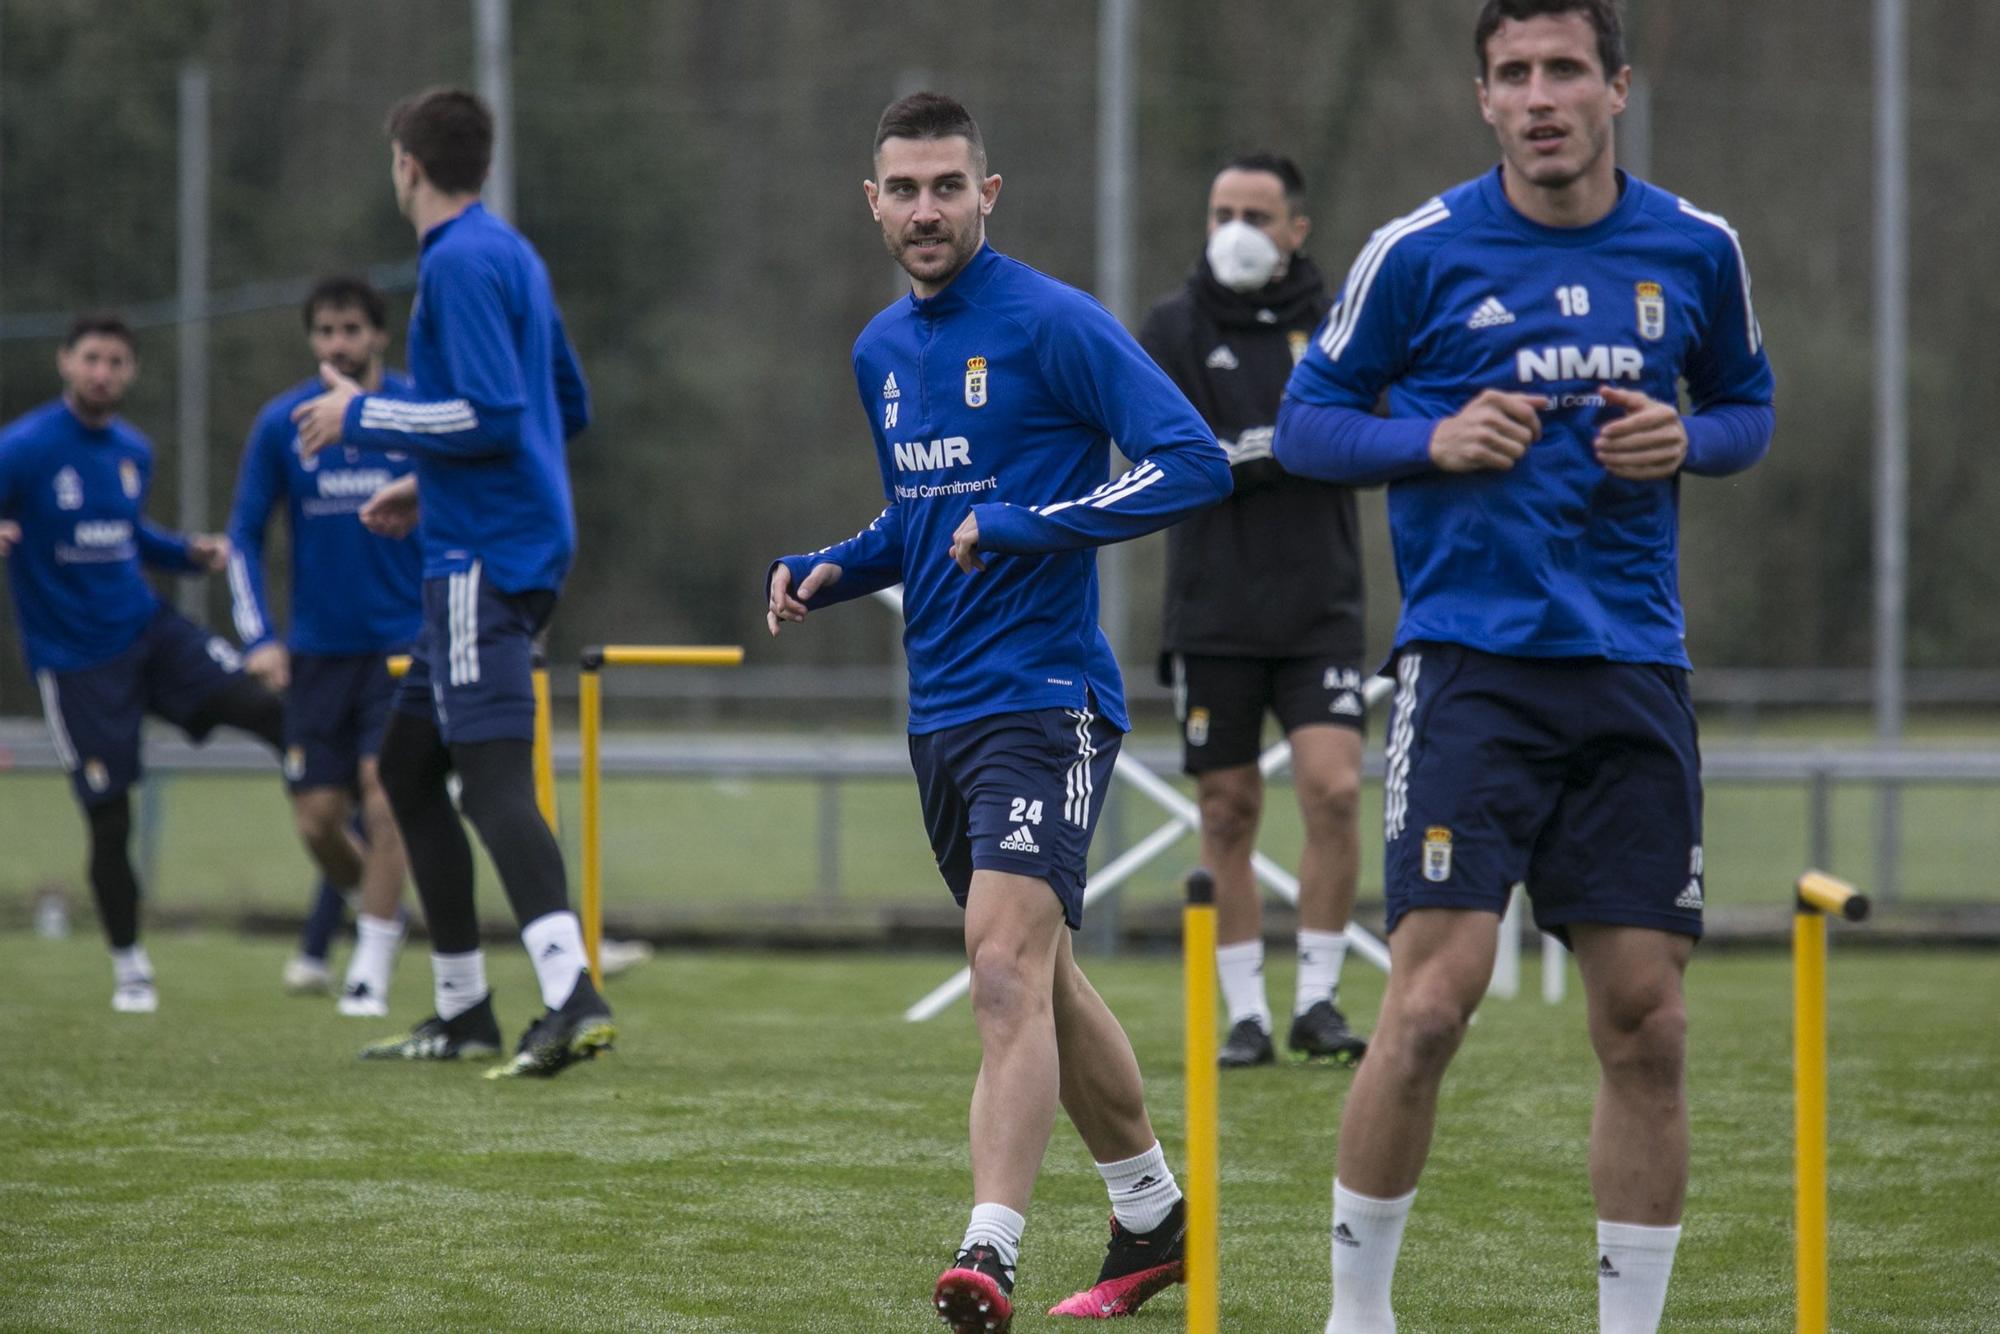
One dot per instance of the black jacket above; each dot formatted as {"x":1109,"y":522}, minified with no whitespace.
{"x":1275,"y":570}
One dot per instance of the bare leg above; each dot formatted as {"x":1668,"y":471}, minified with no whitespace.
{"x":321,"y":815}
{"x":1326,"y":763}
{"x":1013,"y":934}
{"x":384,"y":864}
{"x":1100,"y":1085}
{"x":1638,"y":1024}
{"x":1232,"y":803}
{"x":1440,"y":961}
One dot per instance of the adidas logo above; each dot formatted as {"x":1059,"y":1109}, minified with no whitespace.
{"x":554,"y":948}
{"x":1604,"y":1269}
{"x":1020,"y":841}
{"x":1222,"y":359}
{"x":1347,"y":704}
{"x":1143,"y":1183}
{"x":889,"y":389}
{"x":1342,"y":1236}
{"x":1691,"y":896}
{"x":1490,"y":315}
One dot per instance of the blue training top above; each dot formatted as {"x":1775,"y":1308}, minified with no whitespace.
{"x":79,"y":494}
{"x":1555,"y":557}
{"x":498,"y":392}
{"x":1000,"y":397}
{"x":352,"y":591}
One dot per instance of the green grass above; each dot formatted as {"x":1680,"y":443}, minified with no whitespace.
{"x":773,"y":1149}
{"x":719,"y":845}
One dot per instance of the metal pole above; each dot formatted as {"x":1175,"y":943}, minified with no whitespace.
{"x":492,"y":44}
{"x":1115,"y":173}
{"x":192,"y":595}
{"x":1892,"y":188}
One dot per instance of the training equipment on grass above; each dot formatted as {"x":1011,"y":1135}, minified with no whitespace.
{"x":1203,"y":1182}
{"x":590,"y":714}
{"x":1818,"y":895}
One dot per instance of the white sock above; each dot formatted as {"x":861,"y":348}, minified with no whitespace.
{"x":555,"y":943}
{"x":997,"y":1226}
{"x":1241,"y":970}
{"x":1367,"y":1233}
{"x":131,"y":965}
{"x":1633,"y":1264}
{"x":1143,"y":1190}
{"x":1320,"y":955}
{"x":376,"y":940}
{"x":458,"y":981}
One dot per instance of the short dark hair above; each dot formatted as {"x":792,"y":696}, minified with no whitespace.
{"x":931,"y":116}
{"x":1275,"y":164}
{"x":345,"y":292}
{"x":449,"y":131}
{"x":1603,"y":16}
{"x":100,"y":322}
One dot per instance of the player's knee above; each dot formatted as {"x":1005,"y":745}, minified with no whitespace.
{"x":1229,"y":815}
{"x":1004,"y":987}
{"x":1428,"y":1026}
{"x":1643,"y":1040}
{"x":110,"y":825}
{"x":1331,"y":804}
{"x":319,"y":817}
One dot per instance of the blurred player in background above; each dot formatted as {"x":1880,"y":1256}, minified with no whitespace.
{"x":356,"y":598}
{"x":993,"y":393}
{"x":498,"y":394}
{"x":104,"y":650}
{"x":1263,"y":607}
{"x":1532,"y":329}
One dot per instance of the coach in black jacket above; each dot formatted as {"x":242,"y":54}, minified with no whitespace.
{"x":1263,"y":607}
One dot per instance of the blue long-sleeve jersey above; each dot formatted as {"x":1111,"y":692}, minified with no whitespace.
{"x":79,"y":495}
{"x":1000,"y":396}
{"x":1555,"y":557}
{"x":352,"y":591}
{"x":498,"y":393}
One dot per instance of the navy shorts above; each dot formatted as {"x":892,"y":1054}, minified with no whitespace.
{"x":1017,"y":792}
{"x":1221,"y":703}
{"x":1579,"y":776}
{"x":171,"y":671}
{"x":335,"y":711}
{"x":474,"y":668}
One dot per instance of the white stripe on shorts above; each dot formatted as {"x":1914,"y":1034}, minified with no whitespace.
{"x":45,"y":680}
{"x":1402,"y":731}
{"x":1077,"y":782}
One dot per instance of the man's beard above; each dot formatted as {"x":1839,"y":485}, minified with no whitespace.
{"x":959,"y":248}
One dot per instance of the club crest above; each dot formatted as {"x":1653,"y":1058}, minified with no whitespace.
{"x":1437,"y":853}
{"x":1652,"y":302}
{"x":128,"y":477}
{"x":69,"y":490}
{"x":1297,"y":338}
{"x":975,"y":382}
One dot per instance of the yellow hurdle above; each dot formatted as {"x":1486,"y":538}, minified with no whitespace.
{"x":1819,"y":895}
{"x":545,"y":759}
{"x":590,"y":709}
{"x":1204,"y":1175}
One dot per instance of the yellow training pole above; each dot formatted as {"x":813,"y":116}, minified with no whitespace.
{"x":671,"y":655}
{"x":545,"y":757}
{"x":1204,"y":1176}
{"x":590,"y":708}
{"x":1819,"y":894}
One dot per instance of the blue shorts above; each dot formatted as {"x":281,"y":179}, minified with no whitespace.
{"x":1017,"y":792}
{"x":473,"y":668}
{"x":1579,"y":776}
{"x":335,"y":711}
{"x":171,"y":670}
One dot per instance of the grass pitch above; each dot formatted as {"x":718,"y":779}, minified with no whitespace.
{"x":773,"y":1149}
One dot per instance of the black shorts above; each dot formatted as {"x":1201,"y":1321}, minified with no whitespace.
{"x":1017,"y":792}
{"x":335,"y":711}
{"x":171,"y":671}
{"x":1580,"y":776}
{"x":1221,"y":703}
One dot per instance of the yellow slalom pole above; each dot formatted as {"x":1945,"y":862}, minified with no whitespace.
{"x":1818,"y":896}
{"x":671,"y":655}
{"x":590,"y":708}
{"x":545,"y":757}
{"x":1204,"y":1175}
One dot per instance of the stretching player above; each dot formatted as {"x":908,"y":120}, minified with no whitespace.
{"x":103,"y":649}
{"x":1532,"y":329}
{"x":993,"y":393}
{"x":356,"y":598}
{"x":1263,"y":607}
{"x":498,"y":394}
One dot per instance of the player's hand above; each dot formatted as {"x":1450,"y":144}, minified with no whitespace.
{"x":1489,"y":434}
{"x":393,"y":511}
{"x":10,"y":535}
{"x":321,"y":420}
{"x":965,"y":545}
{"x":788,"y":605}
{"x":271,"y":664}
{"x":1648,"y":443}
{"x":209,"y":552}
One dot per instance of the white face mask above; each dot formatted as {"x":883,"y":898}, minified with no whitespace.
{"x":1241,"y":257}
